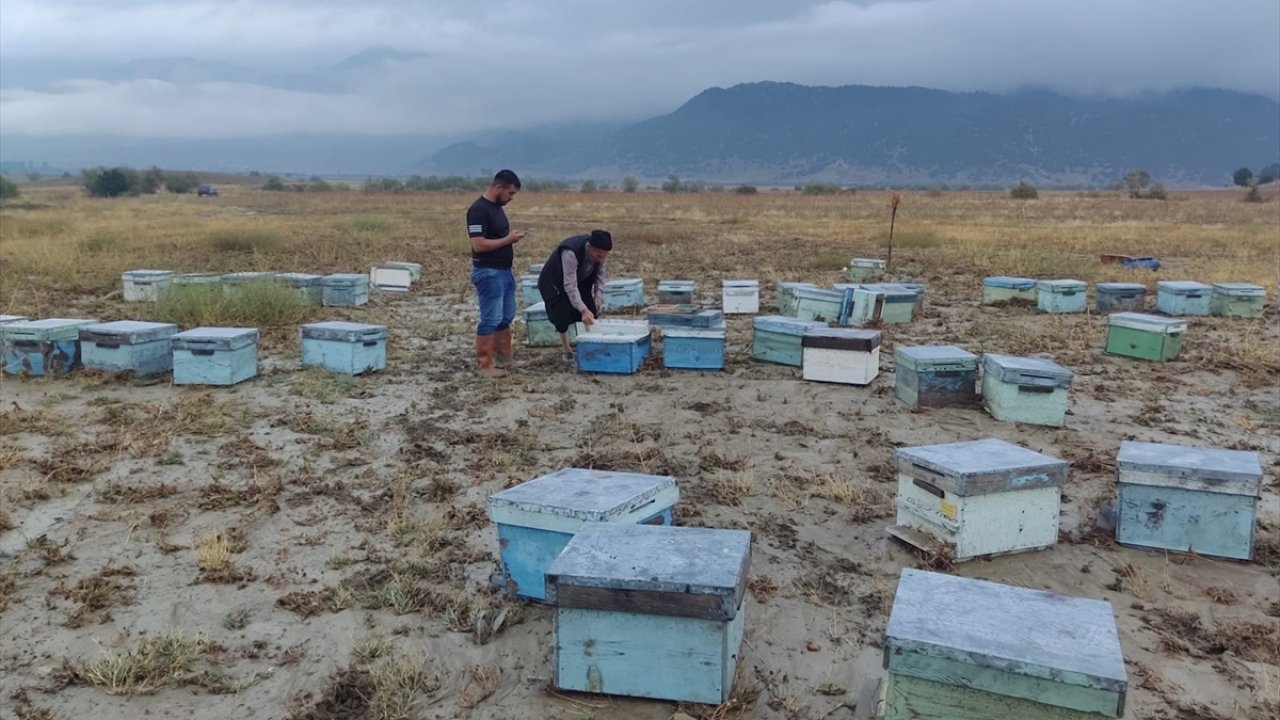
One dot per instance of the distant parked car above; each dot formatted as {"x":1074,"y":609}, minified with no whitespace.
{"x":207,"y":191}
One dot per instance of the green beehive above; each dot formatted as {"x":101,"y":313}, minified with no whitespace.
{"x":1237,"y":300}
{"x":1147,"y":337}
{"x":865,"y":268}
{"x":539,"y":330}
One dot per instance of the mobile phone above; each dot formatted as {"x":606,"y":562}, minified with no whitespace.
{"x":529,"y":231}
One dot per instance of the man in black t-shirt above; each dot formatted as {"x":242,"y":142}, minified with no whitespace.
{"x":491,"y":259}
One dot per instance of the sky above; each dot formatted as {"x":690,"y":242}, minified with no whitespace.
{"x":257,"y":67}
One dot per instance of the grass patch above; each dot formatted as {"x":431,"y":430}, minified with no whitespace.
{"x":260,"y":303}
{"x":370,"y":223}
{"x":159,"y":661}
{"x":257,"y":242}
{"x":100,"y":244}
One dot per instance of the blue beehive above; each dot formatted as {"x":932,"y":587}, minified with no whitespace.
{"x":619,"y":353}
{"x":780,"y":340}
{"x":1120,"y":297}
{"x":693,"y":348}
{"x":675,"y":292}
{"x":935,"y":376}
{"x":1187,"y":499}
{"x":529,"y":293}
{"x":962,"y":649}
{"x":344,"y":347}
{"x":536,"y":519}
{"x":40,"y":347}
{"x":623,"y":293}
{"x":144,"y":285}
{"x":306,"y":285}
{"x":1183,"y":297}
{"x":215,"y":356}
{"x":1061,"y":296}
{"x":1026,"y":390}
{"x":651,"y":612}
{"x":344,"y":290}
{"x":143,"y":348}
{"x":684,"y":316}
{"x":1002,"y":288}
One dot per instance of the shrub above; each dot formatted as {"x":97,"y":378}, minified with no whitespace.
{"x":1024,"y":191}
{"x":319,"y":186}
{"x":181,"y":183}
{"x":820,"y":188}
{"x":1253,"y":195}
{"x":8,"y":188}
{"x":1242,"y":177}
{"x":629,"y":184}
{"x":746,"y":190}
{"x":589,"y":186}
{"x":1157,"y":192}
{"x":111,"y":182}
{"x":151,"y":181}
{"x":262,"y":303}
{"x":274,"y":184}
{"x":1135,"y":181}
{"x":378,"y":185}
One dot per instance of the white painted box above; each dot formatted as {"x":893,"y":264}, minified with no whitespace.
{"x":841,"y":355}
{"x":741,"y":297}
{"x":389,"y":278}
{"x":145,"y":285}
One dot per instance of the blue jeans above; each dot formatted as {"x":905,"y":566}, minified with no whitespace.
{"x":496,"y":290}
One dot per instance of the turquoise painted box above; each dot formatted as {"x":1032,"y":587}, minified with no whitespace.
{"x":1237,"y":300}
{"x":902,"y":303}
{"x":539,"y":332}
{"x":675,"y":292}
{"x":865,"y":268}
{"x":1002,"y":288}
{"x":42,"y":347}
{"x":1147,"y":337}
{"x":619,"y":353}
{"x":689,"y":316}
{"x":787,"y":296}
{"x":623,"y":293}
{"x":980,"y":498}
{"x":828,"y":306}
{"x":344,"y":290}
{"x":145,"y":285}
{"x":779,"y":340}
{"x":1025,"y":390}
{"x":693,"y":348}
{"x":935,"y":376}
{"x":215,"y":356}
{"x":1120,"y":297}
{"x":344,"y":347}
{"x":650,"y":612}
{"x":306,"y":285}
{"x":1187,"y":499}
{"x":536,"y":519}
{"x":1061,"y":296}
{"x":143,"y":348}
{"x":1183,"y":297}
{"x":963,"y":649}
{"x":529,"y":293}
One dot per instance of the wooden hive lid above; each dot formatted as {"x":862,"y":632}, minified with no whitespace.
{"x":1026,"y":370}
{"x":927,"y":357}
{"x":1181,"y":287}
{"x":46,"y":330}
{"x":342,"y":331}
{"x":979,"y":467}
{"x":211,"y":338}
{"x":568,"y":497}
{"x":784,"y":325}
{"x":826,"y":338}
{"x":1148,"y":323}
{"x":1230,"y":472}
{"x":1014,"y":283}
{"x":130,"y":332}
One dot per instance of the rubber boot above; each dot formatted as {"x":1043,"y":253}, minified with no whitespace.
{"x":484,"y":354}
{"x":502,"y":347}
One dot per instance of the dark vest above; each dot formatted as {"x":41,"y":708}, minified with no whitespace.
{"x":551,"y":279}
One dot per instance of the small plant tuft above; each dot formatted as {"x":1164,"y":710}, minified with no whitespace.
{"x":1024,"y":191}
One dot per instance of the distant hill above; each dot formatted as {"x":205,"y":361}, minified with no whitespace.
{"x":786,"y":133}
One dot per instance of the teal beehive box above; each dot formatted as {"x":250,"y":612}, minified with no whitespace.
{"x":42,"y":347}
{"x":650,"y":612}
{"x":305,"y":284}
{"x":529,"y":293}
{"x":539,"y":332}
{"x":827,"y":306}
{"x":1120,"y":297}
{"x":1187,"y":499}
{"x":143,"y":348}
{"x":1147,"y":337}
{"x":1061,"y":296}
{"x":693,"y":348}
{"x":865,"y":268}
{"x":901,"y":302}
{"x":1237,"y":300}
{"x":215,"y":356}
{"x":675,"y":292}
{"x":344,"y":347}
{"x":535,"y":268}
{"x":1025,"y":390}
{"x":935,"y":376}
{"x":536,"y":519}
{"x":787,"y":296}
{"x":145,"y":285}
{"x":1181,"y":298}
{"x":779,"y":340}
{"x":963,"y":649}
{"x":684,"y":316}
{"x":344,"y":290}
{"x":620,"y":353}
{"x":1002,"y":288}
{"x":623,"y":293}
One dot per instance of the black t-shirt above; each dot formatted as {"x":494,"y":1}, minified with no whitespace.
{"x":487,"y":219}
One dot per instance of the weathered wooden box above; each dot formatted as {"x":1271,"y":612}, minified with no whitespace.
{"x":1002,"y":288}
{"x":1120,"y":297}
{"x":145,"y":285}
{"x":693,"y":348}
{"x":901,"y":302}
{"x":651,"y":612}
{"x":740,"y":297}
{"x":215,"y":356}
{"x":675,"y":292}
{"x":536,"y":519}
{"x":867,"y":307}
{"x":344,"y":347}
{"x":1183,"y":297}
{"x":865,"y":268}
{"x":1188,"y":499}
{"x":42,"y":347}
{"x":840,"y":355}
{"x":1237,"y":300}
{"x":390,"y":278}
{"x":143,"y":348}
{"x":344,"y":290}
{"x":685,"y":316}
{"x":777,"y":339}
{"x":986,"y":497}
{"x":620,"y":352}
{"x":1061,"y":296}
{"x":1148,"y":337}
{"x":828,"y":306}
{"x":1025,"y":390}
{"x":787,"y":296}
{"x":623,"y":293}
{"x":935,"y":376}
{"x":539,"y":332}
{"x":415,"y":269}
{"x":305,"y":284}
{"x":963,"y":649}
{"x":529,"y":293}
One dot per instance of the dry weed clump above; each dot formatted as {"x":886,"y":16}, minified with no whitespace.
{"x":158,"y":661}
{"x":213,"y":558}
{"x":94,"y":596}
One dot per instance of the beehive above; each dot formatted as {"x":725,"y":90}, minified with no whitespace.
{"x":1026,"y":390}
{"x":145,"y":285}
{"x":614,"y":346}
{"x":650,"y":612}
{"x":1187,"y":499}
{"x":826,"y":306}
{"x":1148,"y":337}
{"x":901,"y":302}
{"x":215,"y":356}
{"x":305,"y":284}
{"x":787,"y":296}
{"x":935,"y":376}
{"x":740,"y":297}
{"x":390,"y":278}
{"x":344,"y":290}
{"x":143,"y":348}
{"x":1237,"y":300}
{"x":200,"y":278}
{"x":1120,"y":297}
{"x":529,"y":293}
{"x":539,"y":332}
{"x":344,"y":347}
{"x":777,"y":339}
{"x":1002,"y":288}
{"x":1061,"y":296}
{"x":840,"y":355}
{"x":689,"y":316}
{"x":415,"y":269}
{"x":42,"y":347}
{"x":963,"y":649}
{"x":691,"y":348}
{"x":675,"y":292}
{"x":1181,"y":298}
{"x":536,"y":519}
{"x":6,"y":319}
{"x":865,"y":268}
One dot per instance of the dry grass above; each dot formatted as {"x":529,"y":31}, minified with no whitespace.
{"x":159,"y":661}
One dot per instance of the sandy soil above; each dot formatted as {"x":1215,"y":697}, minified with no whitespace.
{"x":323,"y":488}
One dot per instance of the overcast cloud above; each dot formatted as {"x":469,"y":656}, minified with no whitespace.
{"x":513,"y":63}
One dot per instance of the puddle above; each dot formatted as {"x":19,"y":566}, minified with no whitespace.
{"x":38,"y":520}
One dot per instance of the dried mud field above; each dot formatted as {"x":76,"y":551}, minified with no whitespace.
{"x":313,"y":546}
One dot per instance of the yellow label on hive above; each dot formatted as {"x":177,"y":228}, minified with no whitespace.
{"x":948,"y":509}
